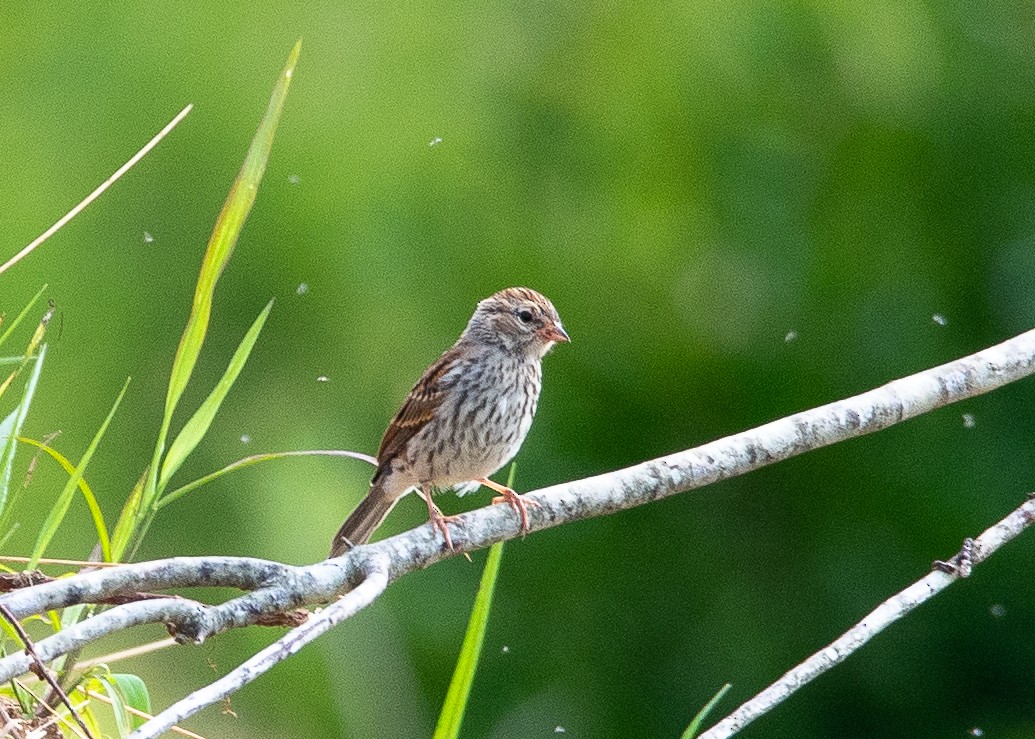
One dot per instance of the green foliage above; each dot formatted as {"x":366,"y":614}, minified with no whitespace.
{"x":220,"y":248}
{"x":129,"y":691}
{"x":174,"y":495}
{"x":124,"y":690}
{"x":695,"y":725}
{"x":91,"y":500}
{"x":455,"y":704}
{"x":10,"y":428}
{"x":11,"y":326}
{"x":60,"y":509}
{"x":194,"y":430}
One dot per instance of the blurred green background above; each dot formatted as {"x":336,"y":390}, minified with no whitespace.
{"x":689,"y":183}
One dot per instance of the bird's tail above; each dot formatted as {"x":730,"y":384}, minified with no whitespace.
{"x":363,"y":521}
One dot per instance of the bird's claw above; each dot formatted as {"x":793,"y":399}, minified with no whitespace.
{"x":519,"y":504}
{"x":441,"y":521}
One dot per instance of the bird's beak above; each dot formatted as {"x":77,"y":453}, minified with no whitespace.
{"x":555,"y":332}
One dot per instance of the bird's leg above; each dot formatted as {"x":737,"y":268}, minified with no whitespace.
{"x":437,"y":518}
{"x":519,"y":504}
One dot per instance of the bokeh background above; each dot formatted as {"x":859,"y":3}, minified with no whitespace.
{"x":740,"y":209}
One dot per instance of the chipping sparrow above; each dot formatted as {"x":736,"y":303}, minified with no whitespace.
{"x":467,"y":415}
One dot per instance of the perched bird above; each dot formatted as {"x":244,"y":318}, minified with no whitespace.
{"x":467,"y":415}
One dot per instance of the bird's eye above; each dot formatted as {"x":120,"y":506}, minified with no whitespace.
{"x":525,"y":315}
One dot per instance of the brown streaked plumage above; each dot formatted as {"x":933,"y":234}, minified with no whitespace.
{"x":468,"y":414}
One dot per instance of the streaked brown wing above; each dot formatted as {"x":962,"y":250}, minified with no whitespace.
{"x":419,"y":408}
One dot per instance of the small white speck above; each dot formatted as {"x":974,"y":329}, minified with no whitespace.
{"x":791,"y":336}
{"x":288,"y":73}
{"x":977,"y":731}
{"x":559,"y":730}
{"x":940,"y":319}
{"x":246,"y":438}
{"x":506,"y":649}
{"x":302,"y":288}
{"x":435,"y":141}
{"x":148,"y":238}
{"x":968,"y":420}
{"x":323,"y":378}
{"x":294,"y":179}
{"x":998,"y":610}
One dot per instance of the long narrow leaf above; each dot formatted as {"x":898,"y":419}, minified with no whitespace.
{"x":102,"y":683}
{"x":255,"y":459}
{"x":455,"y":705}
{"x":220,"y":247}
{"x":695,"y":725}
{"x":8,"y":436}
{"x":84,"y":488}
{"x":37,"y":338}
{"x":126,"y":524}
{"x":57,"y":513}
{"x":14,"y":324}
{"x":196,"y":428}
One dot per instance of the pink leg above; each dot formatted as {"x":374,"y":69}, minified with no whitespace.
{"x":519,"y":504}
{"x":437,"y":518}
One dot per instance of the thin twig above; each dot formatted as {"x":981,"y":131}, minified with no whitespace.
{"x":137,"y":651}
{"x":55,"y":717}
{"x":974,"y":552}
{"x":67,"y":562}
{"x":96,"y":193}
{"x":40,"y":668}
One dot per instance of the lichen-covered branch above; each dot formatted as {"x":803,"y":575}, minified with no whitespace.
{"x":178,"y":572}
{"x":891,"y":610}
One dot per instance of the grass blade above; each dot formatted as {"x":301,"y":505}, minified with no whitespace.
{"x":695,"y":725}
{"x":57,"y":513}
{"x":91,"y":500}
{"x":255,"y":459}
{"x":196,"y":428}
{"x":126,"y":524}
{"x":37,"y":337}
{"x":455,"y":705}
{"x":96,"y":193}
{"x":14,"y":324}
{"x":8,"y":436}
{"x":220,"y":247}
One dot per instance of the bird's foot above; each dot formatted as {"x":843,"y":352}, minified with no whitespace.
{"x":441,"y":522}
{"x":515,"y":501}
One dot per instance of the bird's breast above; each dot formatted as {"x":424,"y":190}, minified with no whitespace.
{"x":481,"y":426}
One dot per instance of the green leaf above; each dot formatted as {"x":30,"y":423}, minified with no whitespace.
{"x":57,"y":513}
{"x":103,"y":683}
{"x":91,"y":500}
{"x":134,"y":693}
{"x":11,"y":428}
{"x":220,"y":247}
{"x":25,"y":699}
{"x":196,"y":428}
{"x":14,"y":324}
{"x":695,"y":725}
{"x":255,"y":459}
{"x":126,"y":524}
{"x":455,"y":705}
